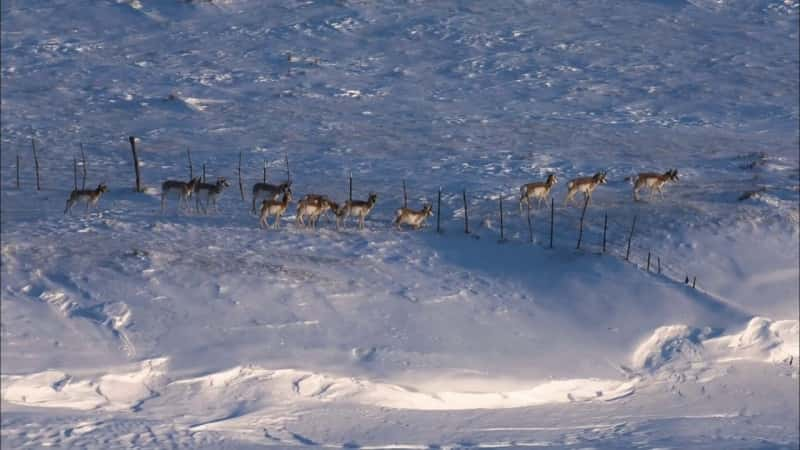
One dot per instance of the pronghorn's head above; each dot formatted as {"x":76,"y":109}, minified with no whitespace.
{"x":193,"y":182}
{"x":427,"y":210}
{"x":672,"y":175}
{"x":286,"y":186}
{"x":221,"y":181}
{"x":373,"y":197}
{"x":287,"y":194}
{"x":600,"y":178}
{"x":102,"y":187}
{"x":551,"y":179}
{"x":332,"y":205}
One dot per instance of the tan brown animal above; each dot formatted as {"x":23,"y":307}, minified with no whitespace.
{"x":411,"y":217}
{"x":90,"y":196}
{"x":587,"y":185}
{"x":183,"y":189}
{"x":275,"y":208}
{"x":312,"y":206}
{"x":357,"y":208}
{"x":653,"y":181}
{"x":539,"y":191}
{"x":268,"y":191}
{"x":210,"y":192}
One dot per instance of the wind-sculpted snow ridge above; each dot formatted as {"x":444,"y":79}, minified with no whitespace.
{"x":677,"y":346}
{"x":761,"y":341}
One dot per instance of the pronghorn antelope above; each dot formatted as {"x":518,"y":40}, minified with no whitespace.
{"x":275,"y":208}
{"x":90,"y":196}
{"x":653,"y":181}
{"x":210,"y":192}
{"x":538,"y":190}
{"x":183,"y":189}
{"x":585,"y":185}
{"x":268,"y":191}
{"x":330,"y":205}
{"x":358,"y":208}
{"x":411,"y":217}
{"x":312,"y":206}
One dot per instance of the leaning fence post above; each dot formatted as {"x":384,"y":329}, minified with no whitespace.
{"x":605,"y":228}
{"x":466,"y":213}
{"x":502,"y":233}
{"x":552,"y":218}
{"x":241,"y":186}
{"x":288,"y":173}
{"x":75,"y":172}
{"x":36,"y":164}
{"x":630,"y":236}
{"x":439,"y":211}
{"x":580,"y":229}
{"x":135,"y":163}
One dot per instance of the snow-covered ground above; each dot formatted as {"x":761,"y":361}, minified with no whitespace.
{"x":128,"y":328}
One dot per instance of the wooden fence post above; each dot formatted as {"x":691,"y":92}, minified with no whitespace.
{"x":204,"y":172}
{"x":658,"y":260}
{"x":605,"y":229}
{"x":241,"y":186}
{"x":694,"y":281}
{"x":466,"y":212}
{"x":75,"y":173}
{"x":264,"y":179}
{"x":17,"y":169}
{"x":350,"y":176}
{"x":288,"y":173}
{"x":648,"y":261}
{"x":132,"y":140}
{"x":36,"y":164}
{"x":191,"y":166}
{"x":630,"y":236}
{"x":580,"y":229}
{"x":405,"y":196}
{"x":439,"y":211}
{"x":83,"y":158}
{"x":502,"y":234}
{"x":552,"y":218}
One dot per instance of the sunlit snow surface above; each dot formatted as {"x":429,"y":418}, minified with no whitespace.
{"x":126,"y":328}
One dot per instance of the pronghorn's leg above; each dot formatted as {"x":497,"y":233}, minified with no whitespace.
{"x":253,"y":210}
{"x":361,"y":223}
{"x":570,"y":194}
{"x":69,"y":206}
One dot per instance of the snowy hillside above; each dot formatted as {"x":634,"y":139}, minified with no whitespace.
{"x":128,"y":328}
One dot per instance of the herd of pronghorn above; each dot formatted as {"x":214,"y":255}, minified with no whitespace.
{"x":276,"y":198}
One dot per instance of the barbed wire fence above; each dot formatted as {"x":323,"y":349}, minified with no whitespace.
{"x":604,"y":230}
